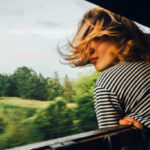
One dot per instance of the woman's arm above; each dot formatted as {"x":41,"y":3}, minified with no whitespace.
{"x":108,"y":108}
{"x":109,"y":111}
{"x":140,"y":115}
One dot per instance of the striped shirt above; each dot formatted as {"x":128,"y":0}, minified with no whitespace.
{"x":123,"y":90}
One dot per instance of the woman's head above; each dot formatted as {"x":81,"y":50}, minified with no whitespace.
{"x":99,"y":26}
{"x":100,"y":54}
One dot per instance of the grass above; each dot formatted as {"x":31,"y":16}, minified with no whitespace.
{"x":18,"y":114}
{"x":72,"y":105}
{"x":16,"y":101}
{"x":15,"y":113}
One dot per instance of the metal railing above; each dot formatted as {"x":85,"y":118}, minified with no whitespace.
{"x":117,"y":138}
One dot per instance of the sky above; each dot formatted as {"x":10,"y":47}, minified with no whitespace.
{"x":30,"y":31}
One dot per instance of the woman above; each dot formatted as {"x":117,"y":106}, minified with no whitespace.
{"x":115,"y":45}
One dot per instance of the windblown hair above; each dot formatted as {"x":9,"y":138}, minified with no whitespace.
{"x":130,"y":43}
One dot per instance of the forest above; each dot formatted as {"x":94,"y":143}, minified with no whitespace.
{"x":55,"y":109}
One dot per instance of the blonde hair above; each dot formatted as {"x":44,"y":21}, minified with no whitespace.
{"x":100,"y":24}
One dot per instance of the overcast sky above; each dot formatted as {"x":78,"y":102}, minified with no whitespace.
{"x":31,"y":29}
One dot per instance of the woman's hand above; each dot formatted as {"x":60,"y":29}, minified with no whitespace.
{"x":128,"y":121}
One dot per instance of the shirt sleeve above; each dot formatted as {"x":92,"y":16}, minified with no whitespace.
{"x":141,"y":110}
{"x":108,"y":108}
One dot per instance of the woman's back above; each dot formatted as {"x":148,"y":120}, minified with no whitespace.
{"x":127,"y":92}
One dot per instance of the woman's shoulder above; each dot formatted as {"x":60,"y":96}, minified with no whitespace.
{"x":127,"y":66}
{"x":125,"y":71}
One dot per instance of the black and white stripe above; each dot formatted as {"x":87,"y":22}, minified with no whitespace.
{"x":121,"y":90}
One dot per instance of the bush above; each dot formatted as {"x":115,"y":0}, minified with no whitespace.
{"x":2,"y":125}
{"x":85,"y":113}
{"x":54,"y":121}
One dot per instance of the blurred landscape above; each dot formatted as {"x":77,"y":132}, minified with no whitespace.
{"x":39,"y":97}
{"x":35,"y":108}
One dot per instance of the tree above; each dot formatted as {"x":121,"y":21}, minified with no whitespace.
{"x":56,"y":76}
{"x":11,"y":90}
{"x":54,"y":87}
{"x":28,"y":84}
{"x":5,"y":85}
{"x":2,"y":83}
{"x":54,"y":121}
{"x":85,"y":112}
{"x":36,"y":87}
{"x":20,"y":79}
{"x":68,"y":91}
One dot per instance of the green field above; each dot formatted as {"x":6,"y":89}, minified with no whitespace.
{"x":59,"y":111}
{"x":14,"y":108}
{"x":20,"y":119}
{"x":16,"y":101}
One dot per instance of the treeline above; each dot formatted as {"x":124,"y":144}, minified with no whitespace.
{"x":26,"y":83}
{"x":21,"y":126}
